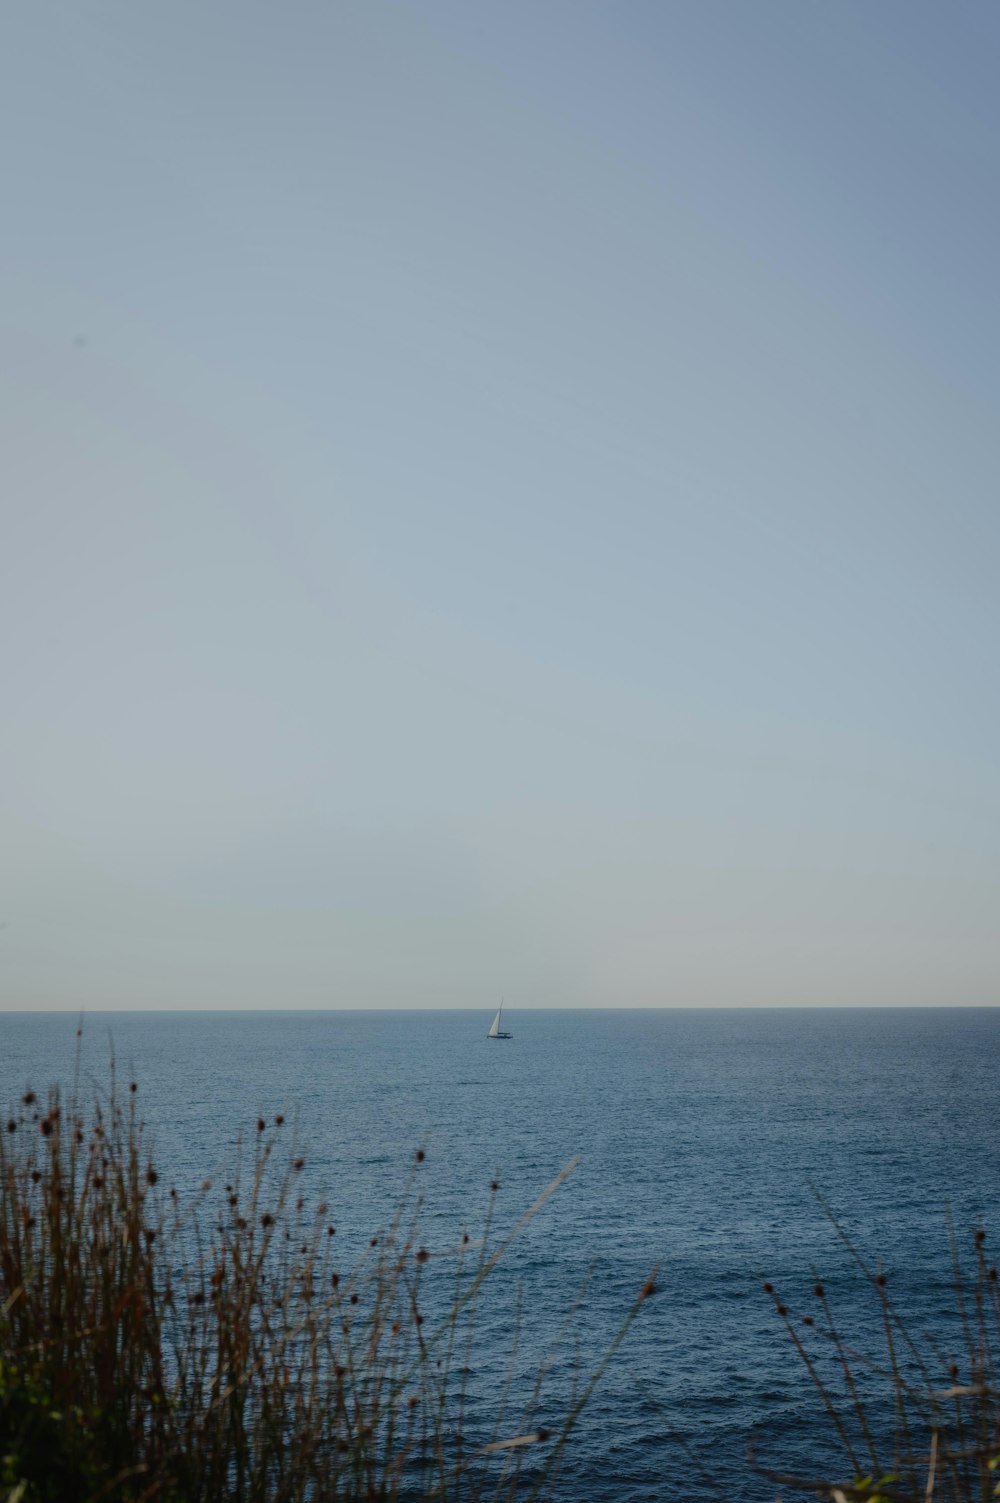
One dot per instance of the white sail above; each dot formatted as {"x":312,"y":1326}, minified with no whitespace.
{"x":497,"y":1030}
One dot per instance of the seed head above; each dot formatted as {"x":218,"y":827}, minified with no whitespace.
{"x":29,"y":1098}
{"x":881,"y":1280}
{"x":261,"y":1124}
{"x":279,"y":1119}
{"x":267,"y":1219}
{"x":133,"y":1088}
{"x":420,"y":1155}
{"x":12,"y":1125}
{"x":819,"y":1291}
{"x":768,"y":1288}
{"x":422,"y":1255}
{"x":980,"y":1237}
{"x":151,"y":1176}
{"x":298,"y":1163}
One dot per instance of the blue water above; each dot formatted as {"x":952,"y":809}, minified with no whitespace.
{"x":703,"y":1137}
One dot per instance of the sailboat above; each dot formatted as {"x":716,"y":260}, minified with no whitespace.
{"x":496,"y":1027}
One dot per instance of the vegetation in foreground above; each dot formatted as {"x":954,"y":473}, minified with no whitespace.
{"x":917,"y":1418}
{"x":213,"y":1351}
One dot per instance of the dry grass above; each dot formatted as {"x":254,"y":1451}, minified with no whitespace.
{"x":211,"y":1349}
{"x":915,"y":1421}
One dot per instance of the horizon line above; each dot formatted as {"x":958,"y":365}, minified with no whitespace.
{"x":552,"y":1007}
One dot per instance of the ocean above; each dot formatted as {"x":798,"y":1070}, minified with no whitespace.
{"x":714,"y":1144}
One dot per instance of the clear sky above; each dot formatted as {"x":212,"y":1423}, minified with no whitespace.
{"x":499,"y":498}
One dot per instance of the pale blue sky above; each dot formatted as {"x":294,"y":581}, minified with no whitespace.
{"x":499,"y":498}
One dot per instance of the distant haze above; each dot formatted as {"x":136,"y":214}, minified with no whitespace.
{"x":499,"y":499}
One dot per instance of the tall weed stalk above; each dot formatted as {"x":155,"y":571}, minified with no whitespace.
{"x":212,"y":1350}
{"x":915,"y":1422}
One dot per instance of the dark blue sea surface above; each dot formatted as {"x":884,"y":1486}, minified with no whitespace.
{"x":703,"y":1137}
